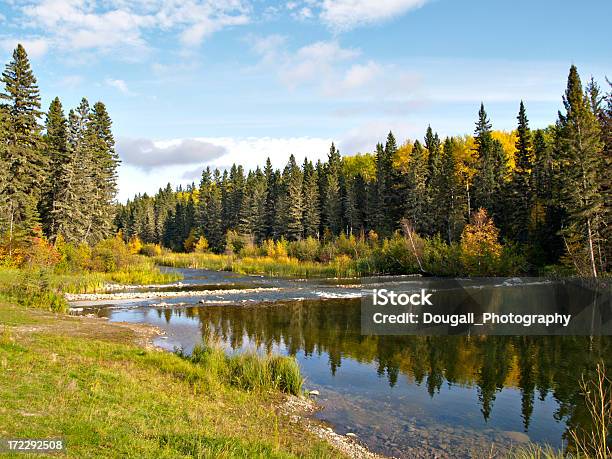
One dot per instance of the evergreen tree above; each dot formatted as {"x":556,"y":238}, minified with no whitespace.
{"x":271,"y":184}
{"x":210,"y":210}
{"x":57,"y":206}
{"x":521,"y":197}
{"x":100,"y":145}
{"x":416,"y":205}
{"x":452,"y":217}
{"x":25,"y":163}
{"x":310,"y":198}
{"x":491,"y":170}
{"x":295,"y":206}
{"x":332,"y":205}
{"x":605,"y":120}
{"x":432,"y":144}
{"x":579,"y":149}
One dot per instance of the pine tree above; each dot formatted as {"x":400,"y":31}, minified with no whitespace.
{"x":100,"y":145}
{"x":269,"y":212}
{"x":432,"y":144}
{"x":579,"y":149}
{"x":310,"y":198}
{"x":416,"y":205}
{"x":210,"y":209}
{"x":491,"y":169}
{"x":384,"y":217}
{"x":521,"y":192}
{"x":452,"y":217}
{"x":25,"y":164}
{"x":4,"y":177}
{"x":295,"y":206}
{"x":57,"y":206}
{"x":605,"y":120}
{"x":332,"y":205}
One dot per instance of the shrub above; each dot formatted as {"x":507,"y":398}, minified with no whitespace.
{"x":396,"y":256}
{"x":151,"y":250}
{"x":110,"y":255}
{"x":304,"y":249}
{"x":190,"y":243}
{"x":442,"y":259}
{"x":134,"y":245}
{"x":202,"y":245}
{"x":235,"y":242}
{"x":73,"y":257}
{"x":480,"y":246}
{"x":41,"y":253}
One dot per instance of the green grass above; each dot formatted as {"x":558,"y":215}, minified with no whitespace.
{"x":250,"y":371}
{"x":271,"y":266}
{"x":44,"y":289}
{"x":85,"y":381}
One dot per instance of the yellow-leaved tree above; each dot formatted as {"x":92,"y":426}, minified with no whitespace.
{"x":480,"y":246}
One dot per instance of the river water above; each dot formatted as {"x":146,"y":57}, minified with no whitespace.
{"x":403,"y":396}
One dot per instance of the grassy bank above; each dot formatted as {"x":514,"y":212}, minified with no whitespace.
{"x":84,"y":380}
{"x":44,"y":288}
{"x":271,"y":266}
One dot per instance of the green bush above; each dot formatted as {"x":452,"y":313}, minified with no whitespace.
{"x":110,"y":255}
{"x":442,"y":259}
{"x":304,"y":249}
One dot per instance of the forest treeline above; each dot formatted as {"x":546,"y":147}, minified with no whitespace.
{"x":536,"y":198}
{"x":547,"y":191}
{"x":58,"y":180}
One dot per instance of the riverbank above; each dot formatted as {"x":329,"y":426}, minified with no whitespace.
{"x":103,"y":389}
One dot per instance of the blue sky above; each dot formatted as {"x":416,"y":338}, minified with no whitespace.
{"x":190,"y":83}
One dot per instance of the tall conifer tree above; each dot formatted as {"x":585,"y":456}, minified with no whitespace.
{"x":579,"y":149}
{"x":23,"y":158}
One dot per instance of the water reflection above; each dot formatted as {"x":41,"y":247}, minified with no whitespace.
{"x":537,"y":373}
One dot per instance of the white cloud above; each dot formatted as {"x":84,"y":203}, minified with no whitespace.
{"x":347,"y":14}
{"x":35,"y":47}
{"x":316,"y":64}
{"x":149,"y":165}
{"x":360,"y":74}
{"x":333,"y":70}
{"x":123,"y":25}
{"x":118,"y":84}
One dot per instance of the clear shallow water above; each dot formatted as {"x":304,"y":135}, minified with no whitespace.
{"x":405,"y":396}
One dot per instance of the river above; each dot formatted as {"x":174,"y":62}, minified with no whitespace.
{"x":403,"y":396}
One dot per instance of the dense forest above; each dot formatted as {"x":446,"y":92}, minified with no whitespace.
{"x":544,"y":194}
{"x":58,"y":179}
{"x":546,"y":190}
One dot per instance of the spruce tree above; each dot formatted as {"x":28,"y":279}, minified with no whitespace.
{"x":449,"y":198}
{"x":332,"y":205}
{"x":269,"y":212}
{"x":416,"y":205}
{"x":295,"y":206}
{"x":310,"y":198}
{"x":579,"y":149}
{"x":100,"y":145}
{"x":490,"y":166}
{"x":58,"y":205}
{"x":521,"y":192}
{"x":25,"y":163}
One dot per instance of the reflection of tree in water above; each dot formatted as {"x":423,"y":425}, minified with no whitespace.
{"x":543,"y":365}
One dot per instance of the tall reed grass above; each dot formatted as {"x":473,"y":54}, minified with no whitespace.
{"x":270,"y":266}
{"x":249,"y":371}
